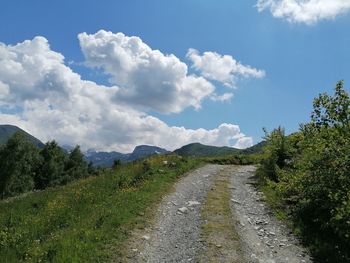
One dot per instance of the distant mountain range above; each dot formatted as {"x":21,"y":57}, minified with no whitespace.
{"x":106,"y":159}
{"x":6,"y":131}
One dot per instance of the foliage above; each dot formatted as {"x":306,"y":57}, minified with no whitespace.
{"x":238,"y":159}
{"x":53,"y":163}
{"x":75,"y":167}
{"x":19,"y":160}
{"x":86,"y":220}
{"x":310,"y":172}
{"x":24,"y":167}
{"x":276,"y":152}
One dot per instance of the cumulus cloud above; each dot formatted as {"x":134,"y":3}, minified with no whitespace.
{"x":305,"y":11}
{"x":56,"y":103}
{"x":222,"y":68}
{"x":243,"y":142}
{"x":147,"y":78}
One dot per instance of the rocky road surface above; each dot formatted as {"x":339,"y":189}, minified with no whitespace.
{"x":264,"y":238}
{"x":176,"y":233}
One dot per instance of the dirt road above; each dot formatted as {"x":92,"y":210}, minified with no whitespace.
{"x":216,"y":215}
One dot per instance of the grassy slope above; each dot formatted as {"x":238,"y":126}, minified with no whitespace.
{"x":88,"y":220}
{"x":197,"y":149}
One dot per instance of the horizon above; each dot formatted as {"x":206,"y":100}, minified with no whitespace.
{"x":118,"y":75}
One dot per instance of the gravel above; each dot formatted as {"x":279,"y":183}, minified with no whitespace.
{"x":176,"y":234}
{"x":265,"y":239}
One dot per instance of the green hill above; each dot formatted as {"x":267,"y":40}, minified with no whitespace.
{"x":197,"y":149}
{"x":257,"y":148}
{"x":6,"y":131}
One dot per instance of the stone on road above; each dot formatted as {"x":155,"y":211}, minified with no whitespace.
{"x":178,"y":222}
{"x":193,"y":223}
{"x":264,"y":238}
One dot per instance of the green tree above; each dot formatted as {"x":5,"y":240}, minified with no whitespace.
{"x":76,"y":167}
{"x":19,"y":160}
{"x":51,"y":171}
{"x":276,"y":153}
{"x":326,"y":164}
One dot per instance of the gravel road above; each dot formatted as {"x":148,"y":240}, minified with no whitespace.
{"x":175,"y":235}
{"x":264,"y":238}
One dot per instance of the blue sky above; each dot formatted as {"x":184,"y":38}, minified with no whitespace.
{"x":301,"y":56}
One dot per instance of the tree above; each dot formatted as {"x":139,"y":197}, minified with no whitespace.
{"x":116,"y":163}
{"x":276,"y":153}
{"x":326,"y":163}
{"x":51,"y":171}
{"x":76,"y":167}
{"x":19,"y":160}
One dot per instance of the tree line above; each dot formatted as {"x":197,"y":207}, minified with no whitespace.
{"x":25,"y":167}
{"x":310,"y":172}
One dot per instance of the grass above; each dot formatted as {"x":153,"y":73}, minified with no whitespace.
{"x":88,"y":220}
{"x":219,"y":233}
{"x":275,"y":202}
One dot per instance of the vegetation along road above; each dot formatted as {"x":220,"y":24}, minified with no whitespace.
{"x":215,"y":214}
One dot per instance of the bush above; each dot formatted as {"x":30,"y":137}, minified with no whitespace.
{"x":311,"y":172}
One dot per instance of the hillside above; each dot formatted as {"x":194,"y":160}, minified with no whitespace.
{"x":89,"y":219}
{"x":257,"y":148}
{"x":197,"y":149}
{"x":6,"y":131}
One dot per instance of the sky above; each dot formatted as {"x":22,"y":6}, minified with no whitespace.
{"x":113,"y":74}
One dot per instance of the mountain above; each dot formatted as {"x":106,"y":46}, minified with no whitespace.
{"x":6,"y":131}
{"x":197,"y":149}
{"x":257,"y":148}
{"x":143,"y":151}
{"x":106,"y":159}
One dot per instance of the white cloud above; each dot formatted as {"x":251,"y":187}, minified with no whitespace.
{"x":222,"y":98}
{"x":305,"y":11}
{"x":222,"y":68}
{"x":147,"y":78}
{"x":4,"y":90}
{"x":55,"y":103}
{"x":243,"y":142}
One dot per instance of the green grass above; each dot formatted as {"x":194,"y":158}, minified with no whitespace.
{"x":88,"y":220}
{"x":275,"y":202}
{"x":218,"y":232}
